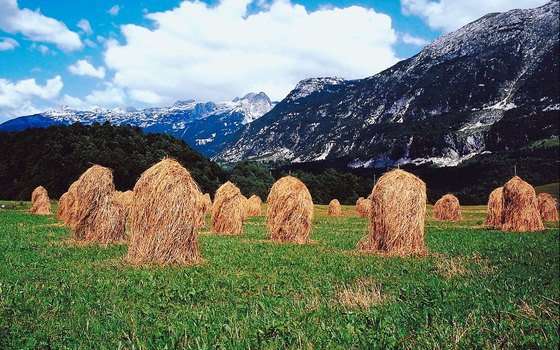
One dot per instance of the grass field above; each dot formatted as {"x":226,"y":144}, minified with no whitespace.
{"x":477,"y":289}
{"x":553,"y":189}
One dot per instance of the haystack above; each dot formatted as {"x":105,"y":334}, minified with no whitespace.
{"x":165,"y":216}
{"x":334,"y":208}
{"x":447,"y":208}
{"x":290,"y":211}
{"x":89,"y":192}
{"x":207,"y":201}
{"x":253,"y":206}
{"x":40,"y":202}
{"x":228,"y":210}
{"x":125,"y":200}
{"x":363,"y":207}
{"x":62,"y":208}
{"x":495,"y":209}
{"x":521,"y":212}
{"x":107,"y":223}
{"x":548,"y":207}
{"x":399,"y":204}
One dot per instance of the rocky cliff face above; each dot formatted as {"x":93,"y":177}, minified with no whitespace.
{"x":491,"y":85}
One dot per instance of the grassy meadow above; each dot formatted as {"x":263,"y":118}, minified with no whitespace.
{"x":477,"y":288}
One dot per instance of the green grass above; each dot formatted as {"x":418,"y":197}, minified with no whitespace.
{"x":477,"y":289}
{"x":553,"y":189}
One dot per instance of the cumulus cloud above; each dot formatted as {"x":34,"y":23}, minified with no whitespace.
{"x":84,"y":25}
{"x":36,"y":26}
{"x":17,"y":98}
{"x":83,"y":67}
{"x":448,"y":15}
{"x":114,"y":11}
{"x":109,"y":96}
{"x":7,"y":44}
{"x":413,"y":40}
{"x":219,"y":52}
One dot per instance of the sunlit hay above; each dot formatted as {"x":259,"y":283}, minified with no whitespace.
{"x":334,"y":208}
{"x":165,"y":216}
{"x":125,"y":199}
{"x":447,"y":208}
{"x":207,"y":201}
{"x":228,"y":210}
{"x":361,"y":294}
{"x":107,"y":224}
{"x":495,"y":209}
{"x":290,"y":211}
{"x":521,"y":212}
{"x":62,"y":207}
{"x":548,"y":207}
{"x":363,"y":207}
{"x":253,"y":207}
{"x":40,"y":202}
{"x":89,"y":191}
{"x":397,"y":215}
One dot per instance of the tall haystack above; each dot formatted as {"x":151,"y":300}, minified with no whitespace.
{"x":495,"y":209}
{"x":334,"y":208}
{"x":228,"y":211}
{"x":521,"y":212}
{"x":63,"y":204}
{"x":363,"y":207}
{"x":165,"y":216}
{"x":125,"y":200}
{"x":253,"y":207}
{"x":548,"y":207}
{"x":290,"y":211}
{"x":397,"y":215}
{"x":447,"y":208}
{"x":89,"y":192}
{"x":207,"y":201}
{"x":107,"y":224}
{"x":40,"y":202}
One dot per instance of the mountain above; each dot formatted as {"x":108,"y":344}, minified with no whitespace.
{"x":491,"y":86}
{"x":204,"y":126}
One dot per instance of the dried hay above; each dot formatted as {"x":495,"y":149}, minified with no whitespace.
{"x":40,"y":202}
{"x":253,"y":207}
{"x":125,"y":199}
{"x":89,"y":192}
{"x":107,"y":224}
{"x":207,"y":201}
{"x":165,"y":216}
{"x":290,"y":211}
{"x":495,"y":209}
{"x":363,"y":207}
{"x":228,"y":211}
{"x":399,"y":204}
{"x":521,"y":212}
{"x":334,"y":208}
{"x":548,"y":207}
{"x":62,"y":208}
{"x":447,"y":208}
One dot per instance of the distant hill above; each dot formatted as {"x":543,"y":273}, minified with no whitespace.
{"x":55,"y":156}
{"x":553,"y":189}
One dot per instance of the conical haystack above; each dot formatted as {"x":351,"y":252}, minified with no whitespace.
{"x":107,"y":224}
{"x":228,"y":210}
{"x":253,"y":207}
{"x":447,"y":208}
{"x":521,"y":212}
{"x":548,"y":207}
{"x":40,"y":202}
{"x":334,"y":208}
{"x":124,"y":199}
{"x":363,"y":207}
{"x":165,"y":216}
{"x":89,"y":192}
{"x":62,"y":208}
{"x":495,"y":209}
{"x":397,"y":215}
{"x":290,"y":211}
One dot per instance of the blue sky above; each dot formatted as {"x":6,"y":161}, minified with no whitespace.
{"x":104,"y":53}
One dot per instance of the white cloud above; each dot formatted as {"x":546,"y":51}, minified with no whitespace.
{"x":449,"y":15}
{"x":17,"y":98}
{"x":114,"y":11}
{"x":109,"y":96}
{"x":36,"y":26}
{"x":7,"y":44}
{"x":83,"y":67}
{"x":219,"y":52}
{"x":84,"y":25}
{"x":413,"y":40}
